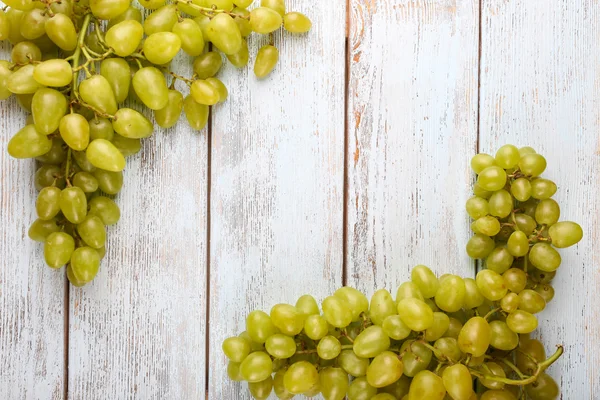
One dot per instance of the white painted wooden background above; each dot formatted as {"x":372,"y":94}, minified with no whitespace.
{"x":349,"y":164}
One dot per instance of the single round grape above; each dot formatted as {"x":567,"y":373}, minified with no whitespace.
{"x":49,"y":175}
{"x":48,"y":107}
{"x":334,"y":383}
{"x":542,"y":189}
{"x":521,"y":189}
{"x":61,"y":31}
{"x":473,"y":297}
{"x":353,"y":364}
{"x":161,"y":47}
{"x":531,"y":352}
{"x":492,"y":178}
{"x":502,"y":338}
{"x":53,"y":73}
{"x":547,"y":212}
{"x":195,"y":113}
{"x":161,"y":20}
{"x":408,"y":290}
{"x":150,"y":85}
{"x":85,"y":181}
{"x":275,"y":5}
{"x":356,"y":300}
{"x":337,"y":312}
{"x":204,"y":93}
{"x":425,"y":280}
{"x":427,"y":385}
{"x":488,"y":225}
{"x":450,"y":297}
{"x":544,"y":388}
{"x":384,"y":370}
{"x":415,"y":314}
{"x":25,"y":52}
{"x":98,"y":92}
{"x":256,"y":367}
{"x":127,"y":146}
{"x":241,"y":19}
{"x":518,"y":244}
{"x":233,"y":372}
{"x":521,"y":322}
{"x":152,"y":4}
{"x":532,"y":164}
{"x":208,"y":64}
{"x":5,"y":26}
{"x":544,"y":257}
{"x":125,"y":37}
{"x":546,"y":291}
{"x":287,"y":319}
{"x":109,"y":182}
{"x":491,"y":284}
{"x":103,"y":154}
{"x":259,"y":326}
{"x":223,"y":32}
{"x":280,"y":346}
{"x":525,"y":223}
{"x":481,"y":161}
{"x":501,"y":204}
{"x":565,"y":234}
{"x":329,"y":348}
{"x":261,"y":390}
{"x":21,"y":81}
{"x":279,"y":387}
{"x":382,"y":306}
{"x":101,"y":128}
{"x":307,"y":305}
{"x":507,"y":156}
{"x":454,"y":328}
{"x":531,"y":301}
{"x":529,"y":207}
{"x":457,"y":381}
{"x":131,"y":124}
{"x":480,"y":246}
{"x":92,"y":231}
{"x":168,"y":116}
{"x":360,"y":389}
{"x":40,"y":229}
{"x":265,"y":20}
{"x":499,"y":260}
{"x":131,"y":14}
{"x":221,"y":88}
{"x":441,"y":322}
{"x":118,"y":74}
{"x":498,"y":395}
{"x":82,"y":162}
{"x":75,"y":131}
{"x":24,"y":101}
{"x":58,"y":248}
{"x":106,"y":209}
{"x":47,"y":204}
{"x":371,"y":342}
{"x":300,"y":377}
{"x":107,"y":9}
{"x":14,"y":17}
{"x":474,"y":337}
{"x":192,"y":40}
{"x":73,"y":204}
{"x":5,"y":74}
{"x":447,"y":349}
{"x":395,"y":328}
{"x":202,"y":21}
{"x":526,"y":150}
{"x":316,"y":327}
{"x":510,"y":302}
{"x":29,"y":143}
{"x":240,"y":59}
{"x":296,"y":22}
{"x":493,"y":369}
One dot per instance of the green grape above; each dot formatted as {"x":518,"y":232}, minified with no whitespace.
{"x":105,"y":209}
{"x":21,"y":81}
{"x":518,"y":244}
{"x":24,"y":101}
{"x":150,"y":85}
{"x":275,"y":5}
{"x":48,"y":175}
{"x":481,"y":161}
{"x":473,"y":298}
{"x":5,"y":26}
{"x":415,"y":314}
{"x":56,"y":155}
{"x":85,"y":262}
{"x":397,"y":389}
{"x":236,"y":348}
{"x":532,"y":164}
{"x":195,"y":113}
{"x":131,"y":14}
{"x":279,"y":387}
{"x":61,"y":31}
{"x":488,"y":225}
{"x":300,"y":377}
{"x":546,"y":291}
{"x":371,"y":342}
{"x":152,"y":4}
{"x":384,"y":370}
{"x":207,"y":65}
{"x":480,"y":246}
{"x":450,"y":297}
{"x":107,"y":9}
{"x":168,"y":116}
{"x":544,"y":388}
{"x":427,"y":385}
{"x":408,"y":290}
{"x":565,"y":234}
{"x":48,"y":107}
{"x":221,"y":88}
{"x":259,"y":326}
{"x":103,"y":154}
{"x":92,"y":231}
{"x":507,"y":156}
{"x":127,"y":146}
{"x":97,"y":92}
{"x":447,"y":348}
{"x":498,"y":395}
{"x":329,"y":348}
{"x":161,"y":47}
{"x":479,"y":192}
{"x":226,"y":5}
{"x":287,"y":319}
{"x":360,"y":389}
{"x":47,"y":205}
{"x":240,"y":59}
{"x":53,"y":73}
{"x":224,"y":33}
{"x":531,"y":301}
{"x":499,"y":260}
{"x":441,"y":322}
{"x":190,"y":34}
{"x":337,"y":312}
{"x":334,"y":383}
{"x":525,"y":223}
{"x":307,"y":305}
{"x":161,"y":20}
{"x":25,"y":52}
{"x":541,"y":276}
{"x":261,"y":390}
{"x":455,"y":325}
{"x":14,"y":17}
{"x":491,"y":284}
{"x":109,"y":182}
{"x":243,"y":3}
{"x":280,"y":346}
{"x":474,"y":337}
{"x":531,"y":352}
{"x":382,"y":306}
{"x":353,"y":364}
{"x":266,"y":60}
{"x":202,"y":21}
{"x":542,"y":189}
{"x":101,"y":128}
{"x":58,"y":248}
{"x":265,"y":20}
{"x":425,"y":280}
{"x":296,"y":22}
{"x":118,"y":74}
{"x":502,"y":338}
{"x":131,"y":124}
{"x":510,"y":302}
{"x":41,"y":229}
{"x":521,"y":189}
{"x":75,"y":131}
{"x":547,"y":212}
{"x":457,"y":381}
{"x":521,"y":322}
{"x":82,"y":162}
{"x":256,"y":367}
{"x":529,"y":207}
{"x":189,"y":8}
{"x":85,"y":181}
{"x":73,"y":204}
{"x":544,"y":257}
{"x":501,"y":204}
{"x":242,"y":21}
{"x":493,"y":369}
{"x":233,"y":372}
{"x":315,"y":327}
{"x":356,"y":300}
{"x":29,"y":143}
{"x":526,"y":150}
{"x":125,"y":37}
{"x":415,"y":357}
{"x":395,"y":328}
{"x":492,"y":178}
{"x":5,"y":74}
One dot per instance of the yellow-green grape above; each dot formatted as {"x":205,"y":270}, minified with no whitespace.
{"x":240,"y":59}
{"x":192,"y":40}
{"x":441,"y":322}
{"x":98,"y":92}
{"x":56,"y":155}
{"x":131,"y":14}
{"x":224,"y":33}
{"x":21,"y":81}
{"x":542,"y":189}
{"x":493,"y":369}
{"x":5,"y":74}
{"x":195,"y":113}
{"x":526,"y":150}
{"x":25,"y":52}
{"x":265,"y":20}
{"x":127,"y":146}
{"x":161,"y":20}
{"x":353,"y":364}
{"x":334,"y":383}
{"x":525,"y":223}
{"x":107,"y":9}
{"x":150,"y":85}
{"x":296,"y":22}
{"x":204,"y":93}
{"x":24,"y":101}
{"x":241,"y":19}
{"x":103,"y":154}
{"x":21,"y":5}
{"x":85,"y":262}
{"x":106,"y":209}
{"x":382,"y":306}
{"x":408,"y":290}
{"x":161,"y":47}
{"x":48,"y":175}
{"x":531,"y":301}
{"x":152,"y":4}
{"x":85,"y":181}
{"x":450,"y":297}
{"x":397,"y":390}
{"x":109,"y":182}
{"x":307,"y":305}
{"x":329,"y":348}
{"x":473,"y":298}
{"x":226,"y":5}
{"x":474,"y":337}
{"x":546,"y":291}
{"x":384,"y":370}
{"x":48,"y":106}
{"x":565,"y":234}
{"x":458,"y":382}
{"x":491,"y":284}
{"x":58,"y":249}
{"x":61,"y":31}
{"x":243,"y":3}
{"x":521,"y":322}
{"x":300,"y":377}
{"x":447,"y":348}
{"x":502,"y":338}
{"x":41,"y":229}
{"x":256,"y":367}
{"x":93,"y":43}
{"x":190,"y":8}
{"x":125,"y":37}
{"x":507,"y":156}
{"x":532,"y":164}
{"x":531,"y":352}
{"x":168,"y":116}
{"x":481,"y":161}
{"x":371,"y":342}
{"x":455,"y":326}
{"x":529,"y":207}
{"x":261,"y":390}
{"x":101,"y":128}
{"x":480,"y":246}
{"x":360,"y":389}
{"x":280,"y":346}
{"x":53,"y":73}
{"x":14,"y":17}
{"x":498,"y":395}
{"x":278,"y":386}
{"x":73,"y":204}
{"x":544,"y":257}
{"x":488,"y":225}
{"x":337,"y":312}
{"x":518,"y":244}
{"x":5,"y":26}
{"x":236,"y":348}
{"x":425,"y":280}
{"x":29,"y":143}
{"x":259,"y":326}
{"x":499,"y":260}
{"x":415,"y":314}
{"x":492,"y":178}
{"x":480,"y":192}
{"x":287,"y":319}
{"x":547,"y":212}
{"x":92,"y":231}
{"x":266,"y":60}
{"x":426,"y":385}
{"x":131,"y":124}
{"x":275,"y":5}
{"x":355,"y":299}
{"x":47,"y":203}
{"x":82,"y":162}
{"x":208,"y":64}
{"x":501,"y":204}
{"x":316,"y":327}
{"x":75,"y":131}
{"x":202,"y":21}
{"x":510,"y":302}
{"x":233,"y":371}
{"x":544,"y":388}
{"x":395,"y":328}
{"x":521,"y":189}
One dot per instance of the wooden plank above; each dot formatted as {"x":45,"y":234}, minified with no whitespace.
{"x":540,"y":87}
{"x":32,"y":333}
{"x":277,"y":183}
{"x":411,"y":131}
{"x":139,"y":330}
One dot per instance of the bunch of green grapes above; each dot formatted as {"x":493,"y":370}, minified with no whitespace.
{"x":439,"y":335}
{"x":74,"y":63}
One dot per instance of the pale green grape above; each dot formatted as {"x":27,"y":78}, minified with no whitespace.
{"x":275,"y":5}
{"x":131,"y":14}
{"x":192,"y":40}
{"x":544,"y":257}
{"x":58,"y":248}
{"x":337,"y":312}
{"x":98,"y":92}
{"x":152,"y":4}
{"x":457,"y":381}
{"x":529,"y":207}
{"x":103,"y":154}
{"x":491,"y":284}
{"x":161,"y":20}
{"x":455,"y":326}
{"x":532,"y":164}
{"x":161,"y":47}
{"x":106,"y":209}
{"x":488,"y":225}
{"x":47,"y":203}
{"x":75,"y":131}
{"x":224,"y":33}
{"x":202,"y":21}
{"x":474,"y":337}
{"x":127,"y":146}
{"x":242,"y":21}
{"x":53,"y":73}
{"x":507,"y":156}
{"x":259,"y":326}
{"x":233,"y":372}
{"x":261,"y":390}
{"x":415,"y":357}
{"x":5,"y":74}
{"x":525,"y":223}
{"x":450,"y":297}
{"x":510,"y":302}
{"x":395,"y":328}
{"x":101,"y":128}
{"x":426,"y":281}
{"x":502,"y":338}
{"x":236,"y":348}
{"x":125,"y":37}
{"x":382,"y":306}
{"x":107,"y":9}
{"x":531,"y":301}
{"x":427,"y":385}
{"x":353,"y":364}
{"x":316,"y":327}
{"x":300,"y":377}
{"x":441,"y":322}
{"x":49,"y":175}
{"x":287,"y":319}
{"x":21,"y":81}
{"x":280,"y":346}
{"x":73,"y":204}
{"x":565,"y":234}
{"x":356,"y":300}
{"x":151,"y":88}
{"x":521,"y":322}
{"x":195,"y":113}
{"x":447,"y":348}
{"x":499,"y":260}
{"x":547,"y":212}
{"x":131,"y":124}
{"x":29,"y":143}
{"x":191,"y":10}
{"x":82,"y":162}
{"x":296,"y":22}
{"x":243,"y":3}
{"x":542,"y":189}
{"x":492,"y":178}
{"x":531,"y":352}
{"x":493,"y":369}
{"x":204,"y":93}
{"x":408,"y":290}
{"x":371,"y":342}
{"x":61,"y":31}
{"x":279,"y":387}
{"x":544,"y":388}
{"x":240,"y":58}
{"x":521,"y":189}
{"x":541,"y":276}
{"x":85,"y":181}
{"x":518,"y":244}
{"x":329,"y":348}
{"x":334,"y":383}
{"x":208,"y":64}
{"x":384,"y":370}
{"x":480,"y":246}
{"x":360,"y":389}
{"x":221,"y":88}
{"x":265,"y":20}
{"x":307,"y":305}
{"x":25,"y":52}
{"x":415,"y":314}
{"x":481,"y":161}
{"x":473,"y":298}
{"x":501,"y":204}
{"x":480,"y":192}
{"x":256,"y":367}
{"x":48,"y":107}
{"x":546,"y":291}
{"x":5,"y":26}
{"x":14,"y":17}
{"x":92,"y":231}
{"x":266,"y":60}
{"x":168,"y":116}
{"x":109,"y":182}
{"x":40,"y":229}
{"x":526,"y":150}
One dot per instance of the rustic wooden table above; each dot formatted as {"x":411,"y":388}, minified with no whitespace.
{"x":349,"y":165}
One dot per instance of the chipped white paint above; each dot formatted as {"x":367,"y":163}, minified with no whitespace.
{"x":540,"y":87}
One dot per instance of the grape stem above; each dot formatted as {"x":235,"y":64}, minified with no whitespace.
{"x":492,"y":312}
{"x":513,"y":367}
{"x":67,"y":167}
{"x":77,"y":53}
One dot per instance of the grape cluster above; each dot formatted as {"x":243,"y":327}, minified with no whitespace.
{"x":79,"y":129}
{"x":441,"y":337}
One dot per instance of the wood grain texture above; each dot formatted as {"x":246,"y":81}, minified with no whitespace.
{"x":32,"y":333}
{"x":277,"y":183}
{"x":411,"y":131}
{"x":540,"y":86}
{"x":139,"y":329}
